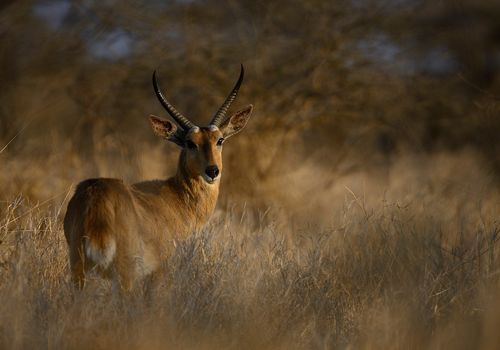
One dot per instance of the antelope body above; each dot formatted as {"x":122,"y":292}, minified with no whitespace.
{"x":124,"y":232}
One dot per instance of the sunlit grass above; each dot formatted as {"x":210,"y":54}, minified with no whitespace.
{"x":382,"y":277}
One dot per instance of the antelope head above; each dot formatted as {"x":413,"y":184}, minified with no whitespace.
{"x":201,"y":146}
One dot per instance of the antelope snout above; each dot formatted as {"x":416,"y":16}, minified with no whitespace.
{"x":212,"y":171}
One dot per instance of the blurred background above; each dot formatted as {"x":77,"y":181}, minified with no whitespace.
{"x":345,"y":92}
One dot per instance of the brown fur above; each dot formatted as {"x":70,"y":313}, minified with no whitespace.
{"x":126,"y":232}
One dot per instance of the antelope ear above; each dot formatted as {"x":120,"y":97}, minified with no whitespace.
{"x":236,"y":122}
{"x":166,"y":129}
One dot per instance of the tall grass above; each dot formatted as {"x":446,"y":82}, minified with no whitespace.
{"x":359,"y":209}
{"x":411,"y":273}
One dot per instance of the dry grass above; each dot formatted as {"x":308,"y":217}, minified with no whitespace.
{"x":410,"y":262}
{"x":359,"y":208}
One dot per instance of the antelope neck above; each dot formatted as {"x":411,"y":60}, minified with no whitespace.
{"x":195,"y":189}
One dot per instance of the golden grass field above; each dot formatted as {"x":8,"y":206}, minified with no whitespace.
{"x":359,"y":208}
{"x":409,"y":262}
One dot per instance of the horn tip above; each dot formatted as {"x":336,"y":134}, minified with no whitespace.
{"x":155,"y":81}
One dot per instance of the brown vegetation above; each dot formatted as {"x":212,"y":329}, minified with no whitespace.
{"x":360,"y":208}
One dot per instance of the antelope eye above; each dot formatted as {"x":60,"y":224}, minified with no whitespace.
{"x":220,"y":142}
{"x":191,"y":145}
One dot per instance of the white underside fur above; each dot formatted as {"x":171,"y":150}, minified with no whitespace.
{"x":100,"y":256}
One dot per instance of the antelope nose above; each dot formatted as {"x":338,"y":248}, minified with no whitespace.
{"x":212,"y":171}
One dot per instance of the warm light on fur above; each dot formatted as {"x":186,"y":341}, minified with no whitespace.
{"x":126,"y":231}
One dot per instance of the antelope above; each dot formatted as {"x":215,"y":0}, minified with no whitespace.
{"x":124,"y":232}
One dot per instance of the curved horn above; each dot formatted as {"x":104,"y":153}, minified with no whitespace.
{"x":179,"y":118}
{"x":221,"y":113}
